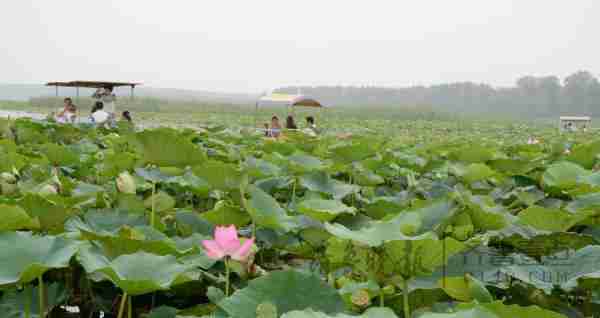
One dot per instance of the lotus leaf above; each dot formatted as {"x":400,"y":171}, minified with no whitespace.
{"x":324,"y":210}
{"x":287,"y":291}
{"x":25,"y":256}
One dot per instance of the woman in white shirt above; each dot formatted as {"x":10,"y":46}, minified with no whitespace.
{"x":99,"y":116}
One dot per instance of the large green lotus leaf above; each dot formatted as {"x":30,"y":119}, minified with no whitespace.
{"x":379,"y":207}
{"x":593,"y":180}
{"x":563,"y":269}
{"x":283,"y":148}
{"x":563,"y":175}
{"x":51,"y":214}
{"x":130,"y":203}
{"x":116,"y":163}
{"x":266,"y":211}
{"x":13,"y":303}
{"x":472,"y":172}
{"x":276,"y":183}
{"x":540,"y":243}
{"x":25,"y":257}
{"x":11,"y":160}
{"x":485,"y":214}
{"x":585,"y":202}
{"x":435,"y":214}
{"x":355,"y":151}
{"x":189,"y":223}
{"x":104,"y":222}
{"x":60,"y":155}
{"x":27,"y":132}
{"x":15,"y":218}
{"x":166,"y":147}
{"x":303,"y":163}
{"x":219,"y":175}
{"x":227,"y":214}
{"x":364,"y":176}
{"x":585,"y":154}
{"x":495,"y":310}
{"x":375,"y":233}
{"x":162,"y":202}
{"x":473,"y":154}
{"x":259,"y":168}
{"x":512,"y":166}
{"x":544,"y":219}
{"x":370,"y":313}
{"x":7,"y":145}
{"x":324,"y":210}
{"x":412,"y":258}
{"x":500,"y":310}
{"x":287,"y":291}
{"x":142,"y":273}
{"x":86,"y":190}
{"x":192,"y":183}
{"x":410,"y":161}
{"x":153,"y":175}
{"x":319,"y":181}
{"x":465,"y":288}
{"x":132,"y":240}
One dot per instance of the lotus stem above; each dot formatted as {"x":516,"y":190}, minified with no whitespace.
{"x":41,"y":296}
{"x":381,"y":298}
{"x":406,"y":305}
{"x":27,"y":302}
{"x":122,"y":306}
{"x":152,"y":200}
{"x":129,"y":308}
{"x":294,"y":190}
{"x":227,"y":277}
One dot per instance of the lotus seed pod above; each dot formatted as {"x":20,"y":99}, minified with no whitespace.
{"x":360,"y":298}
{"x":8,"y":188}
{"x":126,"y":183}
{"x":266,"y":310}
{"x":8,"y":177}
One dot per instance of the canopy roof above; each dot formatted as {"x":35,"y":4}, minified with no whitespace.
{"x":91,"y":84}
{"x":292,"y":100}
{"x":575,"y":118}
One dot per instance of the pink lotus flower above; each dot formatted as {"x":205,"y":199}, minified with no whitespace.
{"x":227,"y":243}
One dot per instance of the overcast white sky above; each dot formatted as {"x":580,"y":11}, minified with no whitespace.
{"x":252,"y":46}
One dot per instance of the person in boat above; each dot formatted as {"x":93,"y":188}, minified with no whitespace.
{"x":107,"y":97}
{"x":275,"y":127}
{"x":99,"y":116}
{"x":290,"y":123}
{"x":126,"y":116}
{"x":311,"y":127}
{"x":69,"y":112}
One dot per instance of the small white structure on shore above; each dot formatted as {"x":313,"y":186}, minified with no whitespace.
{"x":574,"y":123}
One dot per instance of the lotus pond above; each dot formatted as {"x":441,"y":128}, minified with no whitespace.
{"x":426,"y":220}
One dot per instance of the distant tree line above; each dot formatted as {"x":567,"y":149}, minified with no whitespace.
{"x":577,"y":94}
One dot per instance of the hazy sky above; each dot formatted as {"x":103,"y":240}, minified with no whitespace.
{"x":252,"y":46}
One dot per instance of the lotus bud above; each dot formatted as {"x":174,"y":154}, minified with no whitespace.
{"x":126,"y":183}
{"x":389,"y":290}
{"x":361,"y":298}
{"x":47,"y":189}
{"x":8,"y":188}
{"x":266,"y":310}
{"x":8,"y":177}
